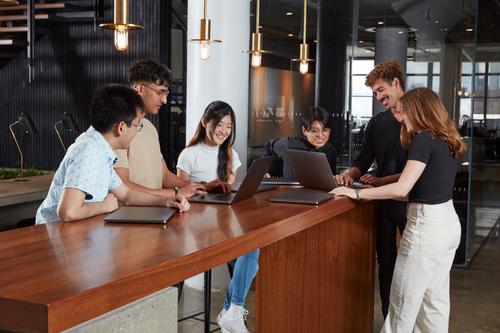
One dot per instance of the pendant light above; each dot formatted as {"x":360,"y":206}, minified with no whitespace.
{"x":256,"y":50}
{"x":304,"y":47}
{"x":8,"y":3}
{"x":120,"y":25}
{"x":204,"y":37}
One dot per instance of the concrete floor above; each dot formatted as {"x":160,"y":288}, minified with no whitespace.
{"x":475,"y":297}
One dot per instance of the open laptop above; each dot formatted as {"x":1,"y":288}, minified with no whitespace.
{"x":262,"y":187}
{"x":247,"y":188}
{"x":313,"y":170}
{"x":129,"y":214}
{"x":280,"y":181}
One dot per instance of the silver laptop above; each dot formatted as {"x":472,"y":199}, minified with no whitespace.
{"x":313,"y":170}
{"x":129,"y":214}
{"x":247,"y":188}
{"x":280,"y":181}
{"x":311,"y":198}
{"x":262,"y":187}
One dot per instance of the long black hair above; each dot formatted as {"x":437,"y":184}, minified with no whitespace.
{"x":216,"y":111}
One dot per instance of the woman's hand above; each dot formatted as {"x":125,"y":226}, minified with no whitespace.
{"x":180,"y":202}
{"x":345,"y":191}
{"x":343,"y":179}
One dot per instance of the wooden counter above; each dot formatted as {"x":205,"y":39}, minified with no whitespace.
{"x":316,"y":267}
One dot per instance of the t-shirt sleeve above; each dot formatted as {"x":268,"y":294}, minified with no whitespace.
{"x":115,"y":180}
{"x":280,"y":146}
{"x":366,"y":155}
{"x":236,"y":161}
{"x":84,"y":173}
{"x":185,"y":162}
{"x":122,"y":158}
{"x":421,"y":148}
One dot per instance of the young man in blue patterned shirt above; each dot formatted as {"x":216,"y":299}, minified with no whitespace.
{"x":85,"y":184}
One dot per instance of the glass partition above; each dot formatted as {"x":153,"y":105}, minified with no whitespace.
{"x":450,"y":46}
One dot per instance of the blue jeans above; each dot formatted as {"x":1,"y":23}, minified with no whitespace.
{"x":244,"y":270}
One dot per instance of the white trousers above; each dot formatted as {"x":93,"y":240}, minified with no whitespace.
{"x":420,"y":290}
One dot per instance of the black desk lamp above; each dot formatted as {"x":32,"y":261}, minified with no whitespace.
{"x":29,"y":127}
{"x":69,"y":123}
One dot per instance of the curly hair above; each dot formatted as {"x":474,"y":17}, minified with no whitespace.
{"x":148,"y":70}
{"x":387,"y":71}
{"x":425,"y":112}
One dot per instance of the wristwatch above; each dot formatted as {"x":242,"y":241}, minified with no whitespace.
{"x":357,"y":193}
{"x":176,"y":190}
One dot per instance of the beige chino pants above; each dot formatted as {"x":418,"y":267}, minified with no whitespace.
{"x":420,"y":290}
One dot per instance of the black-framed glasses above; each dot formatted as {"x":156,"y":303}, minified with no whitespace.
{"x":138,"y":126}
{"x":159,"y":92}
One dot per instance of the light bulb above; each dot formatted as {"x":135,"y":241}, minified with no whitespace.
{"x":256,"y":59}
{"x":121,"y":39}
{"x":204,"y":50}
{"x":304,"y":66}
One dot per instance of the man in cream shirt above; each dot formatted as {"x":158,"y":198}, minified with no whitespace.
{"x":141,"y":166}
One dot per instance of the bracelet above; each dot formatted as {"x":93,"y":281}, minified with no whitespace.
{"x":357,"y":190}
{"x":176,"y":190}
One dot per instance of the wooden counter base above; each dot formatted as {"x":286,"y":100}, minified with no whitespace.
{"x":316,"y":266}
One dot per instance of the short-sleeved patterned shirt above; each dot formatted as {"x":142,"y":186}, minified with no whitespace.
{"x":88,"y":167}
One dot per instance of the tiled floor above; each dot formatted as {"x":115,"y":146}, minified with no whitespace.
{"x":475,"y":297}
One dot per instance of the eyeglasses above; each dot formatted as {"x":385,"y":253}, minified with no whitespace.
{"x":138,"y":126}
{"x":317,"y":131}
{"x":160,"y":93}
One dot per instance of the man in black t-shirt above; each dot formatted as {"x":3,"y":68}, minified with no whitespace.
{"x":316,"y":130}
{"x":382,"y":144}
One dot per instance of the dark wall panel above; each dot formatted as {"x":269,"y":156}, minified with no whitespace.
{"x":72,"y":60}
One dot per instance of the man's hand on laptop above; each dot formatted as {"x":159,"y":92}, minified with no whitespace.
{"x":217,"y":185}
{"x":180,"y":202}
{"x":370,"y":179}
{"x":192,"y":189}
{"x":343,"y":179}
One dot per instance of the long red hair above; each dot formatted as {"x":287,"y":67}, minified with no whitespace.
{"x":425,"y":112}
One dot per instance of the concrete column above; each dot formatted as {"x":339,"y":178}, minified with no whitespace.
{"x":224,"y":76}
{"x":390,"y":44}
{"x":449,"y":77}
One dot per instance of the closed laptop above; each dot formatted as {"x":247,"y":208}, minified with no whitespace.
{"x":130,"y":214}
{"x":310,"y":198}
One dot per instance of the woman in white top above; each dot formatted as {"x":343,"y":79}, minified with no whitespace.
{"x":210,"y":156}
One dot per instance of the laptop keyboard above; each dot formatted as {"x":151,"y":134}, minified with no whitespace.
{"x":280,"y":181}
{"x":223,"y":196}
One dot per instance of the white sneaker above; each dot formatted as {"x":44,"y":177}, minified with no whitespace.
{"x":219,"y":316}
{"x":233,"y":321}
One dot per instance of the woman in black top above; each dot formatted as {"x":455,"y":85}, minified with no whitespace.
{"x":419,"y":300}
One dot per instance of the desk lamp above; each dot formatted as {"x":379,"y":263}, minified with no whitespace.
{"x":69,"y":123}
{"x":28,"y":126}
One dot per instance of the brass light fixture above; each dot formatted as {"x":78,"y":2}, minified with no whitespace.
{"x":304,"y":47}
{"x":26,"y":123}
{"x":120,"y":25}
{"x":256,"y":50}
{"x":8,"y":3}
{"x":204,"y":37}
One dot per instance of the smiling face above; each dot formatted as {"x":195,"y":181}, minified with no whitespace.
{"x":218,"y":132}
{"x":317,"y":134}
{"x":153,"y":96}
{"x":387,"y":94}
